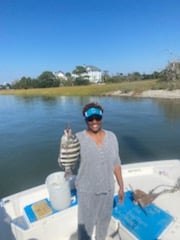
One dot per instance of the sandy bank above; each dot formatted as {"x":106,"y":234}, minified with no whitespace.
{"x":175,"y":94}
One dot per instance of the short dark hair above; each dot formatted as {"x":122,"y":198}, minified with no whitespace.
{"x":91,"y":105}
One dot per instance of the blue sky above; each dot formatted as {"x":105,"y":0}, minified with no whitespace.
{"x":120,"y":36}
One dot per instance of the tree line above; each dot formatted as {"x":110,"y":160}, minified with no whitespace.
{"x":79,"y":76}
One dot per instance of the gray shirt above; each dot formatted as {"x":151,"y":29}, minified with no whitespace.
{"x":96,"y":171}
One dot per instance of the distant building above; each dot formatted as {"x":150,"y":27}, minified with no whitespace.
{"x":5,"y":86}
{"x":94,"y":74}
{"x":60,"y":74}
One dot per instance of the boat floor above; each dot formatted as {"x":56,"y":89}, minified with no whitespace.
{"x":159,"y":175}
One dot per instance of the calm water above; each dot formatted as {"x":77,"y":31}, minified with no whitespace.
{"x":30,"y":130}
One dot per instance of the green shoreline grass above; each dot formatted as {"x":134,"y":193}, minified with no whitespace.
{"x":90,"y":90}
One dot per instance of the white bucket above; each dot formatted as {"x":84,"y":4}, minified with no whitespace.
{"x":59,"y":190}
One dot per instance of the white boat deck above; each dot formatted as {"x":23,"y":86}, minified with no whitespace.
{"x":146,"y":176}
{"x":62,"y":225}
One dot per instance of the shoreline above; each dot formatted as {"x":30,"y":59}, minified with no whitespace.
{"x":165,"y":94}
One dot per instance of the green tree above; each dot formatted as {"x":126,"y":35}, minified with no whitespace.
{"x":23,"y":83}
{"x":155,"y":75}
{"x":106,"y":76}
{"x":47,"y":79}
{"x":79,"y":70}
{"x":69,"y":81}
{"x":170,"y":76}
{"x":135,"y":76}
{"x":80,"y":75}
{"x":81,"y":81}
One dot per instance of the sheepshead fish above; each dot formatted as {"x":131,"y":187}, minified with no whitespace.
{"x":69,"y":151}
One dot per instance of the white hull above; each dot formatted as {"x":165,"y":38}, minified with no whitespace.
{"x":62,"y":225}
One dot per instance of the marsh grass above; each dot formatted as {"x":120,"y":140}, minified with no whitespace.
{"x":171,"y":85}
{"x":90,"y":90}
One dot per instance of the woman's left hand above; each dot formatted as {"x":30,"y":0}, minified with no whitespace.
{"x":121,"y":195}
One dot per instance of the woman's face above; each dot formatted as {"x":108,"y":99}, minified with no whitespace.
{"x":94,"y":123}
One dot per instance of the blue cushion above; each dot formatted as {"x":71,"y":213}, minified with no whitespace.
{"x":145,"y":223}
{"x":32,"y":216}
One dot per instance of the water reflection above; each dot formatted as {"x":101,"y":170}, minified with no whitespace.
{"x":34,"y":99}
{"x":171,"y":108}
{"x":138,"y":148}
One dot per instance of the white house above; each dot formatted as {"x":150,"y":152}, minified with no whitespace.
{"x":94,"y":74}
{"x":60,"y":74}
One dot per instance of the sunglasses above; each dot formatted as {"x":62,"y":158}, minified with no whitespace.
{"x":94,"y":117}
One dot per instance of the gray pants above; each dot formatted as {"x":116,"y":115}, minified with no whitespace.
{"x":94,"y":210}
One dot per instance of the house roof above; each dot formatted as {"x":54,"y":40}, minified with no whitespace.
{"x":93,"y":68}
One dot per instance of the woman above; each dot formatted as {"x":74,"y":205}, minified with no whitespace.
{"x":99,"y":162}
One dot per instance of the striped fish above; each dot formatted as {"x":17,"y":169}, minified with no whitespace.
{"x":69,"y":151}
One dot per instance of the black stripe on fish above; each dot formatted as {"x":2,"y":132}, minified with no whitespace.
{"x":70,"y":151}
